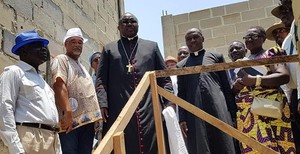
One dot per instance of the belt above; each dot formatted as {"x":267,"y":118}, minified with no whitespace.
{"x":38,"y":125}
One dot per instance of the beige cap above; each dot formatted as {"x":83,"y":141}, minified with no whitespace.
{"x":272,"y":28}
{"x":170,"y":58}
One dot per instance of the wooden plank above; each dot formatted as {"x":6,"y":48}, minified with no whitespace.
{"x":215,"y":122}
{"x":298,"y":44}
{"x":226,"y":66}
{"x":157,"y":114}
{"x":119,"y":143}
{"x":106,"y":144}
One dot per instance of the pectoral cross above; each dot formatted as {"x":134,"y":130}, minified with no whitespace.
{"x":129,"y":66}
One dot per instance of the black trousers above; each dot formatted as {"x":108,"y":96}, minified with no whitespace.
{"x":295,"y":119}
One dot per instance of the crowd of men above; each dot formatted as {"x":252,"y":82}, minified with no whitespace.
{"x":66,"y":115}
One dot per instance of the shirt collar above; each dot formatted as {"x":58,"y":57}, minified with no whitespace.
{"x":25,"y":66}
{"x":197,"y":53}
{"x":129,"y":39}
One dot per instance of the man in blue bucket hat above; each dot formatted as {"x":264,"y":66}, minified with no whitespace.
{"x":29,"y":117}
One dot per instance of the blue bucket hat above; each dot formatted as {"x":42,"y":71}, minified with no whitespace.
{"x":27,"y":37}
{"x":93,"y":55}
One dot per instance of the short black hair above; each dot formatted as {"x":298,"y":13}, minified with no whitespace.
{"x":260,"y":29}
{"x":125,"y":14}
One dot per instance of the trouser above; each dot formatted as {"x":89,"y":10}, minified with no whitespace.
{"x":39,"y":141}
{"x":78,"y":141}
{"x":295,"y":119}
{"x":3,"y":148}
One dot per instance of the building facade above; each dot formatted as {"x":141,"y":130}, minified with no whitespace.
{"x":98,"y":20}
{"x":220,"y":25}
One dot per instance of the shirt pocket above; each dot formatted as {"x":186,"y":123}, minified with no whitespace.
{"x":32,"y":90}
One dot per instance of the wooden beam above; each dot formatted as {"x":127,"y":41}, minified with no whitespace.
{"x":157,"y":114}
{"x":119,"y":143}
{"x":226,"y":66}
{"x":215,"y":122}
{"x":106,"y":144}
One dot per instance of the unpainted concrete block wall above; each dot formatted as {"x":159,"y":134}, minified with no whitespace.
{"x":220,"y":25}
{"x":97,"y":19}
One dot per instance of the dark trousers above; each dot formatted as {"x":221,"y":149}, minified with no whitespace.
{"x":295,"y":119}
{"x":78,"y":141}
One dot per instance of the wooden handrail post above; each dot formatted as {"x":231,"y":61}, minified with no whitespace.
{"x":157,"y":114}
{"x":106,"y":144}
{"x":119,"y":143}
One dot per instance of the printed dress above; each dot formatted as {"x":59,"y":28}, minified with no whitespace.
{"x":271,"y":132}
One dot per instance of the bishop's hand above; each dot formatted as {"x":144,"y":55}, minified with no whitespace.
{"x":104,"y":113}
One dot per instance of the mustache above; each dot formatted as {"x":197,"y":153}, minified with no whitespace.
{"x":77,"y":48}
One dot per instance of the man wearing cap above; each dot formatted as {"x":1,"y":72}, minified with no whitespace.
{"x":75,"y":96}
{"x":277,"y":32}
{"x":123,"y":64}
{"x":285,"y":12}
{"x":29,"y":117}
{"x":171,"y":62}
{"x":94,"y":61}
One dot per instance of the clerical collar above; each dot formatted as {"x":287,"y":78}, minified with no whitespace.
{"x":131,"y":38}
{"x":197,"y":53}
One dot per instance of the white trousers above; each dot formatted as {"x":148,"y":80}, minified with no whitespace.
{"x":39,"y":141}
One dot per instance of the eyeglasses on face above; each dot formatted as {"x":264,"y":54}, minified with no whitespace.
{"x":252,"y":37}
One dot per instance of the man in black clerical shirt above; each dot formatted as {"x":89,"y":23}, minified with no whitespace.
{"x":209,"y":91}
{"x":123,"y":63}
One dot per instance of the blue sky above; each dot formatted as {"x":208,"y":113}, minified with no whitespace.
{"x":149,"y":13}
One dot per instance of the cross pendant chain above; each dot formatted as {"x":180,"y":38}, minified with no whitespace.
{"x":129,"y":67}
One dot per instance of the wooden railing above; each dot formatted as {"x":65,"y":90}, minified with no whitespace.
{"x":114,"y":138}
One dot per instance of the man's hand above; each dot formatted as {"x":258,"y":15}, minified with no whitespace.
{"x":67,"y":121}
{"x":104,"y":113}
{"x":238,"y":85}
{"x":184,"y":128}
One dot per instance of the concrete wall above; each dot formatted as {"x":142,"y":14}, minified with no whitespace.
{"x":220,"y":25}
{"x":97,"y":19}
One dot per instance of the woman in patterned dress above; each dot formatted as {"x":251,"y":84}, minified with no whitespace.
{"x":273,"y":133}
